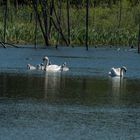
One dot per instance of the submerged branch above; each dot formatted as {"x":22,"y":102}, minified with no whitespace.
{"x":9,"y":44}
{"x":3,"y":44}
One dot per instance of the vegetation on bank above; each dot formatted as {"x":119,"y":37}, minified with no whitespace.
{"x":117,"y":24}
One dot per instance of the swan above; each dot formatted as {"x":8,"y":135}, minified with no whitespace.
{"x":40,"y":66}
{"x":117,"y":71}
{"x":50,"y":67}
{"x":64,"y":67}
{"x":31,"y":67}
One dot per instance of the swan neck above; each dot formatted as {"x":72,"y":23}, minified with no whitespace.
{"x":46,"y":63}
{"x":121,"y":72}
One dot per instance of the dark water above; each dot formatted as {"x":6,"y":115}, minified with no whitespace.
{"x":82,"y":104}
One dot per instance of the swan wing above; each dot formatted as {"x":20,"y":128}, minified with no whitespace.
{"x":53,"y":68}
{"x":65,"y":69}
{"x":115,"y":72}
{"x":31,"y":67}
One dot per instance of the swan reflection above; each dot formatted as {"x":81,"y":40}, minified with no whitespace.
{"x":118,"y":85}
{"x":52,"y":83}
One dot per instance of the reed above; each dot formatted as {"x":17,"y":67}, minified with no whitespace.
{"x":104,"y":28}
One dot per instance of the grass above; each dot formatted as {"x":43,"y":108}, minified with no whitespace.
{"x":104,"y":28}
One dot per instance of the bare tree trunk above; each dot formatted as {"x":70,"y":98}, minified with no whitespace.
{"x":16,"y":5}
{"x":50,"y":19}
{"x":139,"y":40}
{"x":68,"y":21}
{"x":5,"y":19}
{"x":87,"y":21}
{"x":59,"y":19}
{"x":58,"y":28}
{"x":40,"y":22}
{"x":120,"y":18}
{"x":44,"y":6}
{"x":120,"y":14}
{"x":36,"y":25}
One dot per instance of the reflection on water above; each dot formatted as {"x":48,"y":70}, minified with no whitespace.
{"x":81,"y":104}
{"x":58,"y":106}
{"x":118,"y":85}
{"x":118,"y":88}
{"x":52,"y":82}
{"x":70,"y":89}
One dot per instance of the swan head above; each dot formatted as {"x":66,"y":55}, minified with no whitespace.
{"x":64,"y":64}
{"x":45,"y":58}
{"x":28,"y":65}
{"x":31,"y":67}
{"x":64,"y":67}
{"x":124,"y":68}
{"x":45,"y":61}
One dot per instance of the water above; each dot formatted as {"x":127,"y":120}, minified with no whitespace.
{"x":81,"y":104}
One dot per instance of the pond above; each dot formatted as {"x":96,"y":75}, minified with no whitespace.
{"x":83,"y":103}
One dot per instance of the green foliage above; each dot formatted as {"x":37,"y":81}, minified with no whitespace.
{"x":104,"y":26}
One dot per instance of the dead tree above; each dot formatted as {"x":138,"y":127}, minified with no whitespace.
{"x":36,"y":25}
{"x":5,"y":19}
{"x":44,"y":27}
{"x":59,"y":19}
{"x":87,"y":21}
{"x":68,"y":21}
{"x":58,"y":27}
{"x":139,"y":40}
{"x":44,"y":6}
{"x":16,"y":6}
{"x":50,"y":19}
{"x":120,"y":13}
{"x":47,"y":19}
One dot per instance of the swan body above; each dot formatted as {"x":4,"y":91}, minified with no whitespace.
{"x":51,"y":67}
{"x":40,"y":66}
{"x":31,"y":67}
{"x":47,"y":66}
{"x":64,"y":67}
{"x":117,"y":71}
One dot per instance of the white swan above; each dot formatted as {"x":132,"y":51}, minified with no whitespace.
{"x":64,"y":67}
{"x":40,"y":66}
{"x":31,"y":67}
{"x":50,"y":67}
{"x":117,"y":71}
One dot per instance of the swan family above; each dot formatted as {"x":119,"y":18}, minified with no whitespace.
{"x":47,"y":66}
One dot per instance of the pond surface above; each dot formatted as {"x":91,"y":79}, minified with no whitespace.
{"x":81,"y":104}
